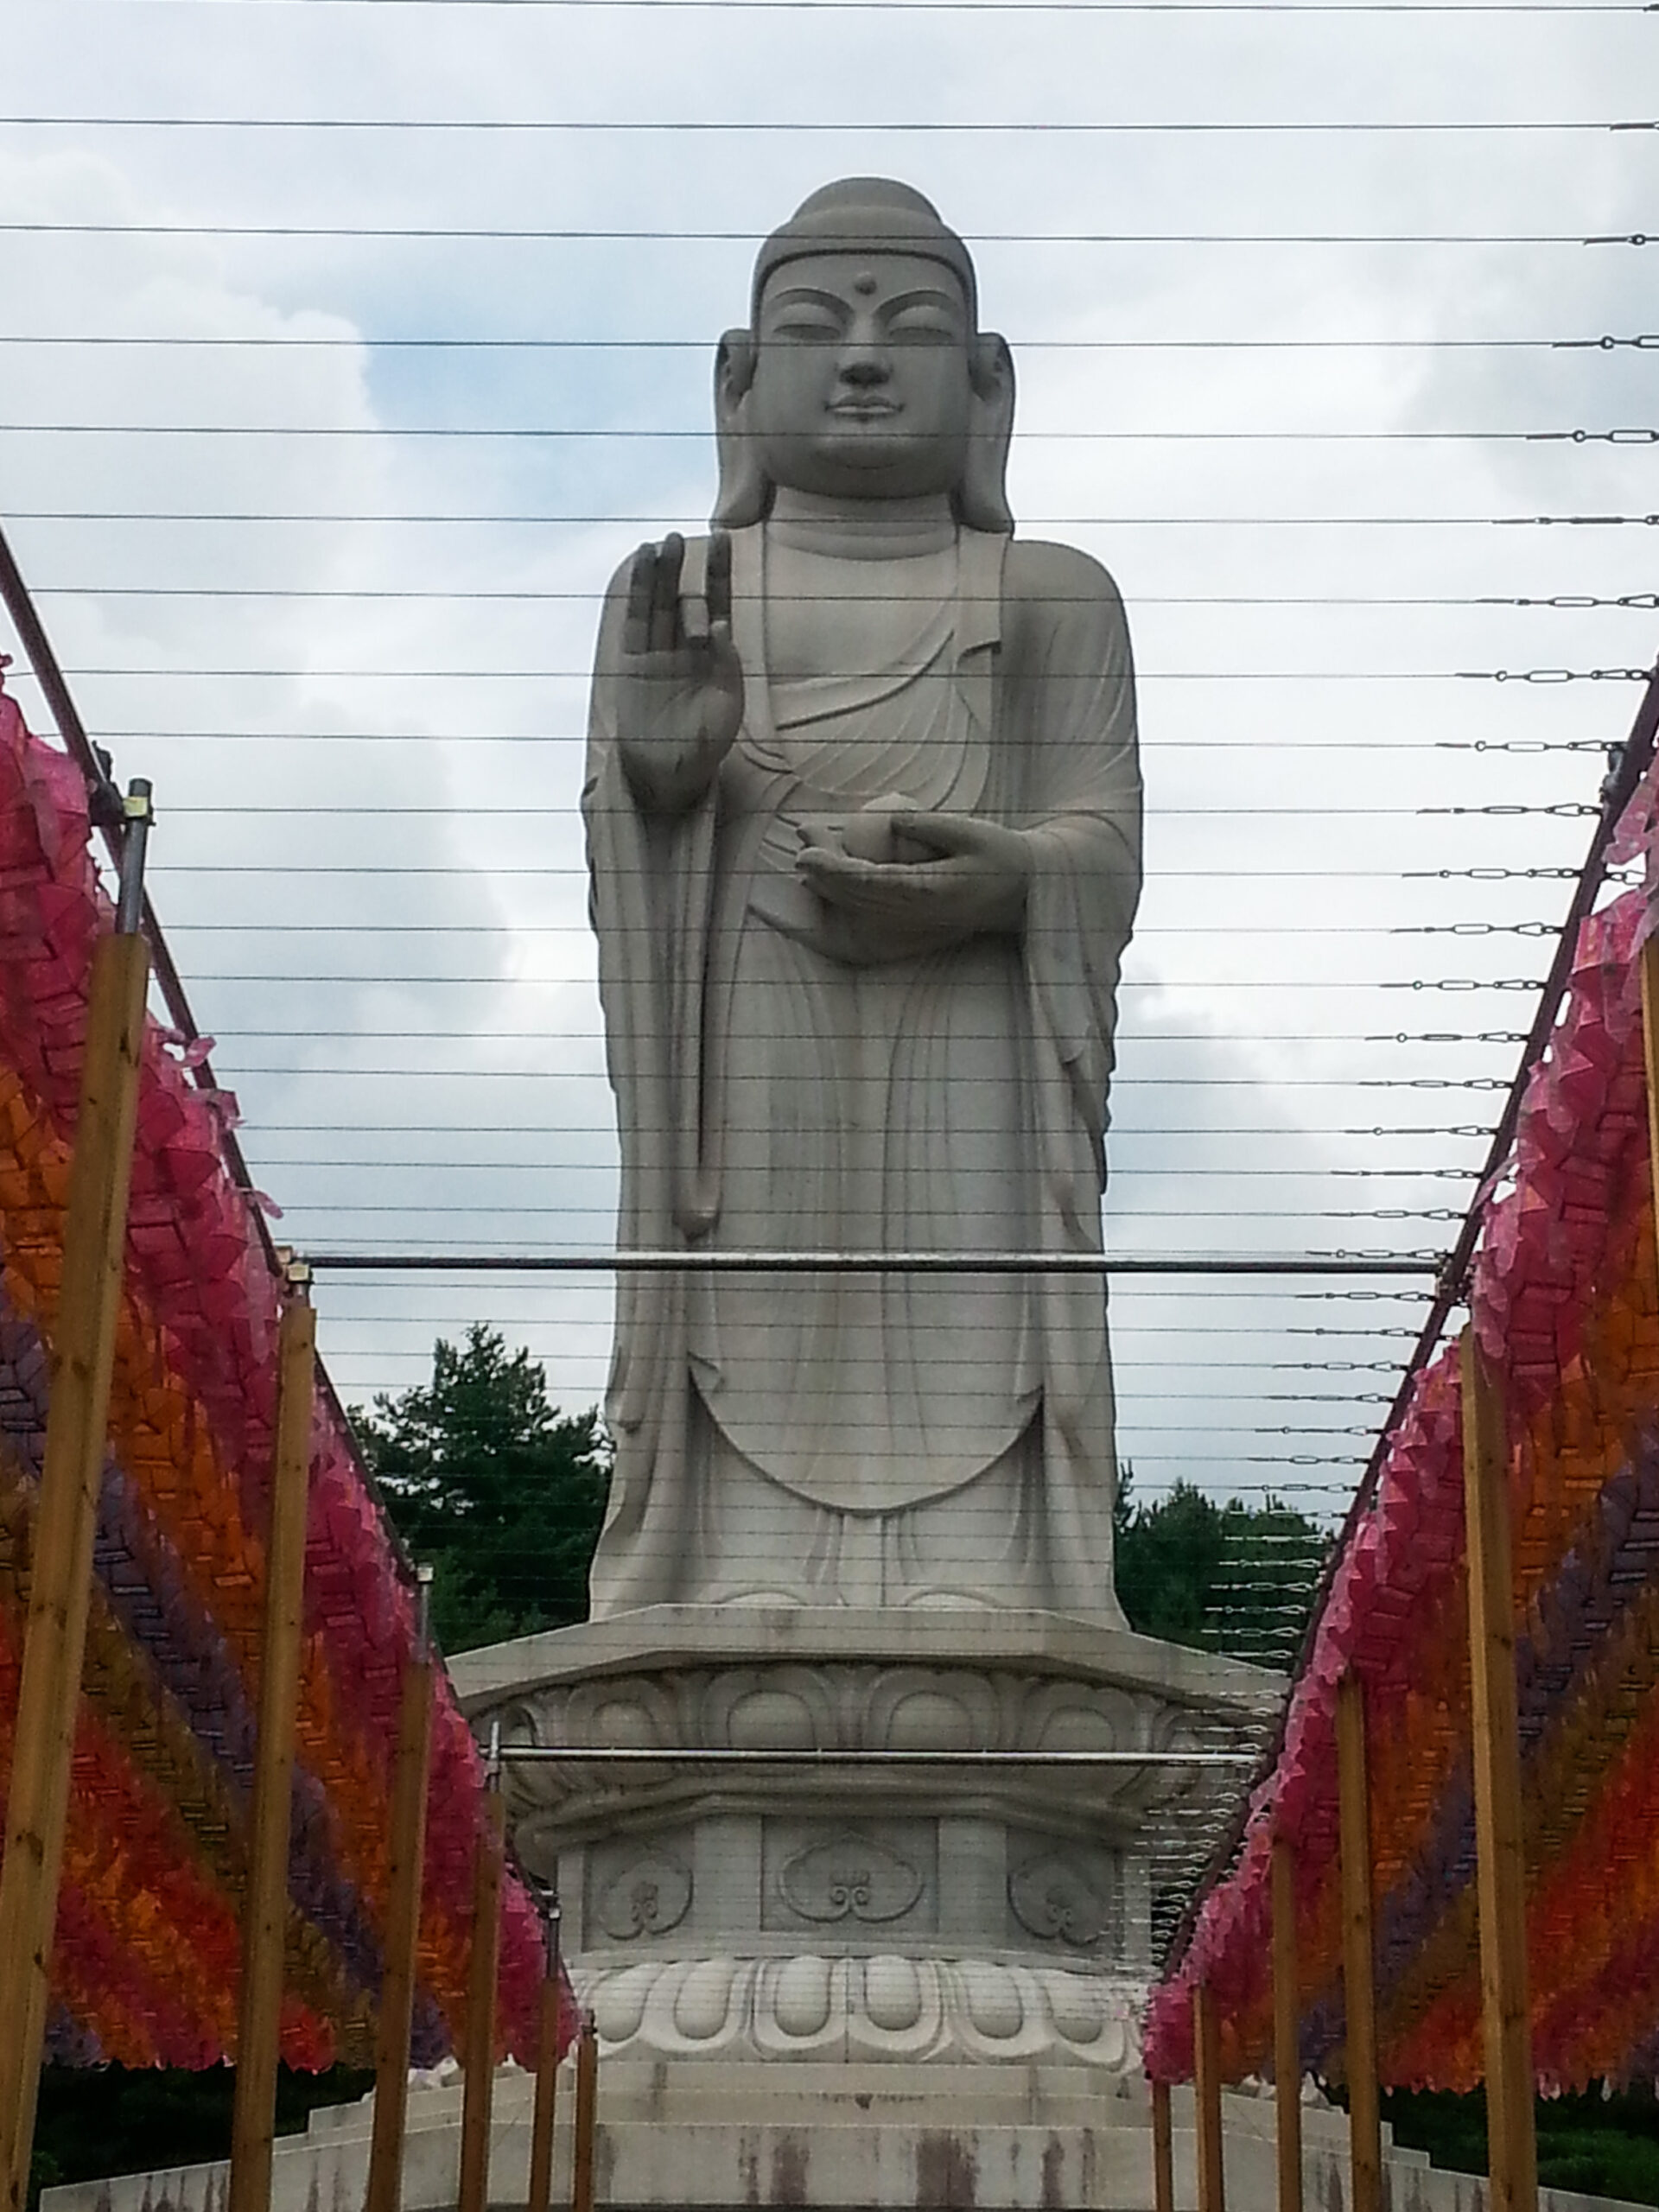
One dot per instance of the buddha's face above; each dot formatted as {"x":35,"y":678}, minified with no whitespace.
{"x":862,"y":386}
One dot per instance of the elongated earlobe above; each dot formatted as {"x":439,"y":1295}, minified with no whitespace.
{"x":744,"y":495}
{"x":982,"y":497}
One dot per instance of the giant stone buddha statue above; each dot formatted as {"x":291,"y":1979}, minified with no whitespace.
{"x":863,"y":811}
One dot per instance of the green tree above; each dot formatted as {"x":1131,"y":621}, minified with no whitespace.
{"x":502,"y":1494}
{"x":1230,"y":1577}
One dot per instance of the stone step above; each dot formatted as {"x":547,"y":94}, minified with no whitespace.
{"x":708,"y":2137}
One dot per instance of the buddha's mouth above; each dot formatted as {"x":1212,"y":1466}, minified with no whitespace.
{"x":865,"y":411}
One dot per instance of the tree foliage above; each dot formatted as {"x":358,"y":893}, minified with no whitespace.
{"x":500,"y":1492}
{"x":1233,"y":1577}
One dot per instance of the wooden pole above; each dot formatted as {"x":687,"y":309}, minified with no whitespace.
{"x":264,"y":1913}
{"x":1358,"y":1978}
{"x":77,"y":1427}
{"x":1206,"y":2084}
{"x":1501,"y":1872}
{"x":1650,"y":974}
{"x":540,"y":2196}
{"x":478,"y":2088}
{"x":1287,"y":2046}
{"x":1163,"y":2151}
{"x":581,"y":2149}
{"x":411,"y":1765}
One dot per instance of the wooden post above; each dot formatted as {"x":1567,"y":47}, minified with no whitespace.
{"x":1286,"y":2044}
{"x":1163,"y":2151}
{"x":1512,"y":2150}
{"x":265,"y":1912}
{"x":540,"y":2196}
{"x":478,"y":2088}
{"x":581,"y":2149}
{"x":1649,"y":973}
{"x":59,"y":1586}
{"x":1358,"y":1974}
{"x":1206,"y":2086}
{"x":411,"y":1764}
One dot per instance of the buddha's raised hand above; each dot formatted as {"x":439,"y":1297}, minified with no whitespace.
{"x":681,"y":698}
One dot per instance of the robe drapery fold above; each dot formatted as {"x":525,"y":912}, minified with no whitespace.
{"x":770,"y":1095}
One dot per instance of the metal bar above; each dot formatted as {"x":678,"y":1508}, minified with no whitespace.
{"x":1429,"y":1267}
{"x":138,"y":816}
{"x":820,"y":1755}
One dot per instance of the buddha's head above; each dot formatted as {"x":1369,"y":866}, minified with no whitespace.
{"x":863,"y":373}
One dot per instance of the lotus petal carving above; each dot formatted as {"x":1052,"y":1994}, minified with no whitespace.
{"x":850,"y":1877}
{"x":649,"y":1897}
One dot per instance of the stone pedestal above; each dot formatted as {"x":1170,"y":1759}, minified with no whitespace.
{"x":702,"y":2138}
{"x":809,"y":1909}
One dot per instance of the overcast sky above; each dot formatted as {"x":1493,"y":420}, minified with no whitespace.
{"x":1291,"y":449}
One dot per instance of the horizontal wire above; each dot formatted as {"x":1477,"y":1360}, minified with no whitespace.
{"x":361,"y":928}
{"x":544,"y":873}
{"x":1166,"y":745}
{"x":295,"y":1071}
{"x":1162,"y":1036}
{"x":539,"y":235}
{"x":1050,"y":7}
{"x":773,"y":126}
{"x":543,"y":1165}
{"x":1561,"y":810}
{"x":594,"y":434}
{"x":1129,"y":983}
{"x":310,"y":1127}
{"x":1647,"y":341}
{"x":172,"y":516}
{"x":1576,"y":602}
{"x":943,"y":680}
{"x":725,"y":1261}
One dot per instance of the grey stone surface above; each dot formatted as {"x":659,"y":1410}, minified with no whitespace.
{"x":805,"y":1906}
{"x":717,"y":2138}
{"x":864,"y":810}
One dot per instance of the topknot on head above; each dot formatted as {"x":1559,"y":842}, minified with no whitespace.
{"x":866,"y":215}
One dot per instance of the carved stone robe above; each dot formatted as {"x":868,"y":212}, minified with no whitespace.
{"x":898,"y":1438}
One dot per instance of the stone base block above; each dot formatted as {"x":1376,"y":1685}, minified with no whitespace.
{"x":869,"y":1836}
{"x":711,"y":2136}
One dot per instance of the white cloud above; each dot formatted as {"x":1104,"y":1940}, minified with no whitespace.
{"x":1282,"y":812}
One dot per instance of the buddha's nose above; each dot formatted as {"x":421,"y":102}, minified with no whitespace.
{"x":864,"y":365}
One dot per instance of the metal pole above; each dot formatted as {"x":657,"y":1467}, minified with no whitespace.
{"x":82,"y":1335}
{"x":137,"y":816}
{"x":832,"y":1755}
{"x":265,"y":1919}
{"x":1425,"y":1266}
